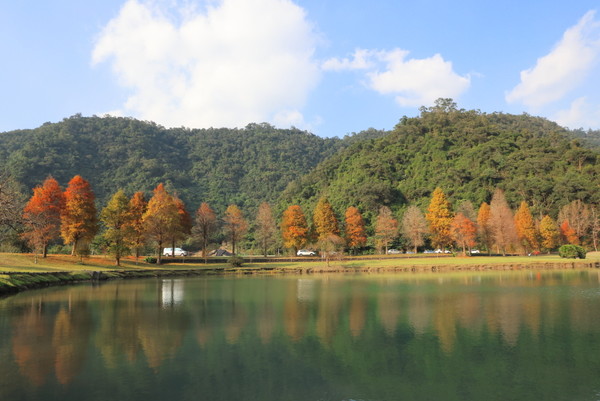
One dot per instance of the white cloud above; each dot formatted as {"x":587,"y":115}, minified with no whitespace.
{"x":581,"y":114}
{"x":563,"y":69}
{"x":415,"y":82}
{"x":360,"y":61}
{"x":230,"y":63}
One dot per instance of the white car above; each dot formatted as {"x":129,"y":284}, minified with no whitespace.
{"x":178,"y":252}
{"x":475,"y":251}
{"x":305,"y":252}
{"x":442,"y":251}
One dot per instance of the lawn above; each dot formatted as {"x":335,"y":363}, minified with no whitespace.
{"x":54,"y":263}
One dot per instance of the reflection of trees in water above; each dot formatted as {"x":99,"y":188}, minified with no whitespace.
{"x":338,"y":312}
{"x":32,"y":343}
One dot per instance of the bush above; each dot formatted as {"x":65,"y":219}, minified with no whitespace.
{"x":572,"y":252}
{"x":235,"y":261}
{"x":150,"y":259}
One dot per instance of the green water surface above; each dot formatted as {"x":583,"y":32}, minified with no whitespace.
{"x":493,"y":336}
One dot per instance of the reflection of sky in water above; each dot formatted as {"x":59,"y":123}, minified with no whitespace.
{"x":172,"y":292}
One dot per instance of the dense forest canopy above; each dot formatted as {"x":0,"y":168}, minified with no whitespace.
{"x":220,"y":166}
{"x":467,"y":153}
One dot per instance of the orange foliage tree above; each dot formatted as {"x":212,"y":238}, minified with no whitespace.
{"x":502,"y":222}
{"x":483,"y":227}
{"x":235,"y":225}
{"x":324,"y":219}
{"x":464,"y":231}
{"x":526,"y":232}
{"x":294,"y":228}
{"x":79,"y":222}
{"x":356,"y":234}
{"x":205,"y":226}
{"x":161,"y":218}
{"x":568,"y":233}
{"x":386,"y":228}
{"x":41,"y":215}
{"x":183,"y":228}
{"x":137,"y":208}
{"x":439,"y":216}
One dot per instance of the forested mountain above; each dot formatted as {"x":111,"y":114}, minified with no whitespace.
{"x":466,"y":153}
{"x":221,"y":166}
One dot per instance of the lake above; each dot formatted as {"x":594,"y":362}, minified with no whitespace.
{"x":526,"y":335}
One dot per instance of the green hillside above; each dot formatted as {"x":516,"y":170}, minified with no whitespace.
{"x":222,"y":166}
{"x":466,"y":153}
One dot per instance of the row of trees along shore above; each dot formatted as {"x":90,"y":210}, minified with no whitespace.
{"x":130,"y":224}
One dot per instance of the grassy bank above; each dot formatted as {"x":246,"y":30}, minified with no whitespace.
{"x":19,"y":272}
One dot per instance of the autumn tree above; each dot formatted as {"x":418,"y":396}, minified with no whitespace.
{"x":386,"y":228}
{"x":502,"y":222}
{"x":41,"y":215}
{"x":549,"y":233}
{"x":356,"y":234}
{"x":324,"y":219}
{"x":414,"y":226}
{"x":464,"y":231}
{"x":161,"y":218}
{"x":294,"y":229}
{"x":439,"y":216}
{"x":11,"y":202}
{"x":205,"y":226}
{"x":568,"y":234}
{"x":484,"y":229}
{"x":235,"y":225}
{"x":594,"y":226}
{"x":266,"y":228}
{"x":183,"y":228}
{"x":116,"y":217}
{"x":79,"y":222}
{"x":137,"y":208}
{"x":525,"y":226}
{"x":578,"y":215}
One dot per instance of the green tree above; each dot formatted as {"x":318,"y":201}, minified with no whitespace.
{"x":117,"y":217}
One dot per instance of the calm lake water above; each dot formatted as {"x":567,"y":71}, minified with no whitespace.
{"x":493,"y":336}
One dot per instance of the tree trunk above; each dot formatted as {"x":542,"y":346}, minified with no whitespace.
{"x":44,"y":251}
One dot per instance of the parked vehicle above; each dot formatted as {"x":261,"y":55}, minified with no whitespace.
{"x":178,"y":252}
{"x":393,"y":251}
{"x":475,"y":251}
{"x":441,"y":251}
{"x":428,"y":251}
{"x":306,"y":252}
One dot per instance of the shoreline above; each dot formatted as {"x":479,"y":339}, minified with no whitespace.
{"x":15,"y":282}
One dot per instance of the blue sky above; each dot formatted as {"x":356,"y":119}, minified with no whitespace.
{"x":331,"y":67}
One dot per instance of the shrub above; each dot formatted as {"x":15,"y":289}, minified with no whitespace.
{"x":235,"y":261}
{"x":572,"y":252}
{"x":150,"y":259}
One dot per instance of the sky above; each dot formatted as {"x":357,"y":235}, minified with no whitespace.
{"x":330,"y":67}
